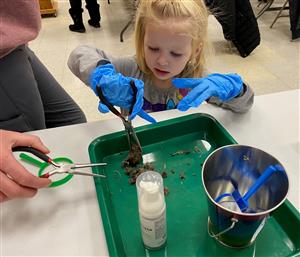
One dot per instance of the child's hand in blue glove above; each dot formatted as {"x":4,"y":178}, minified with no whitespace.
{"x":117,"y":90}
{"x":223,"y":86}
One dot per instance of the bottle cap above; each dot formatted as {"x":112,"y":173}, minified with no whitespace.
{"x":150,"y":185}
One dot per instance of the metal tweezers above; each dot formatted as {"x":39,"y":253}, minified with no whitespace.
{"x":131,"y":135}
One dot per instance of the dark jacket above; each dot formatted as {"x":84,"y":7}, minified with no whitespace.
{"x":238,"y":23}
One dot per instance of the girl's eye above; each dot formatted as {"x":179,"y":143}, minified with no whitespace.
{"x":176,"y":54}
{"x":154,"y":49}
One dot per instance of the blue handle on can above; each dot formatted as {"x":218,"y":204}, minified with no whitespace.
{"x":262,"y":179}
{"x":242,"y":201}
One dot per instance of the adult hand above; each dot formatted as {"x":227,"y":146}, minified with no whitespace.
{"x":117,"y":90}
{"x":223,"y":86}
{"x":15,"y":180}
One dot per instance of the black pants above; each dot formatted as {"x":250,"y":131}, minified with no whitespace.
{"x":295,"y":18}
{"x":30,"y":97}
{"x":91,"y":5}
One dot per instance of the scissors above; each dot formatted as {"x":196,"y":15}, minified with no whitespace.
{"x":60,"y":168}
{"x":133,"y":141}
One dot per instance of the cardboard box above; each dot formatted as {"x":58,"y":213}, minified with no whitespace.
{"x":46,"y":4}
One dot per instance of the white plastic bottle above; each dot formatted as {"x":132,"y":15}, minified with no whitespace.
{"x":152,"y":209}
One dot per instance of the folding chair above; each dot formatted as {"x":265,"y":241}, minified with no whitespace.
{"x":267,"y":7}
{"x":279,"y":15}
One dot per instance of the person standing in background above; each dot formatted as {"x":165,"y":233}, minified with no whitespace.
{"x":30,"y":97}
{"x":76,"y":14}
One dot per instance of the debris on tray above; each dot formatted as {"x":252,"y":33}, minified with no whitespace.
{"x":134,"y":157}
{"x":166,"y":191}
{"x":132,"y":180}
{"x":182,"y":175}
{"x":172,"y":171}
{"x":181,"y":152}
{"x":164,"y":174}
{"x":133,"y":172}
{"x":149,"y":166}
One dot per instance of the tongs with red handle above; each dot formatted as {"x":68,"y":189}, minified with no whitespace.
{"x":60,"y":168}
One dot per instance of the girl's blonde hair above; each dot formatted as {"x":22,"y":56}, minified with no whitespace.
{"x":192,"y":11}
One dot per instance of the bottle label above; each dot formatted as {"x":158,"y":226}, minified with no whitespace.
{"x":154,"y":230}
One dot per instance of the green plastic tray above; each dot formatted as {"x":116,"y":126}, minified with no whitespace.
{"x":186,"y":202}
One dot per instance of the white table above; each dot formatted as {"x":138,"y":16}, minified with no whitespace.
{"x":66,"y":221}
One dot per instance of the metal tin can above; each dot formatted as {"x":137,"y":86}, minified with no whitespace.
{"x":238,"y":167}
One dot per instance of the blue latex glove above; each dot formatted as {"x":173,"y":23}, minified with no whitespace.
{"x":117,"y":90}
{"x":223,"y":86}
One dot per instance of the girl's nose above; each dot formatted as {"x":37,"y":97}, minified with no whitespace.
{"x":162,"y":60}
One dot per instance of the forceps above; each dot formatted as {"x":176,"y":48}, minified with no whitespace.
{"x":69,"y":168}
{"x":135,"y":152}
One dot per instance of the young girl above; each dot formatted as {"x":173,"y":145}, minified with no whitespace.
{"x":168,"y":69}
